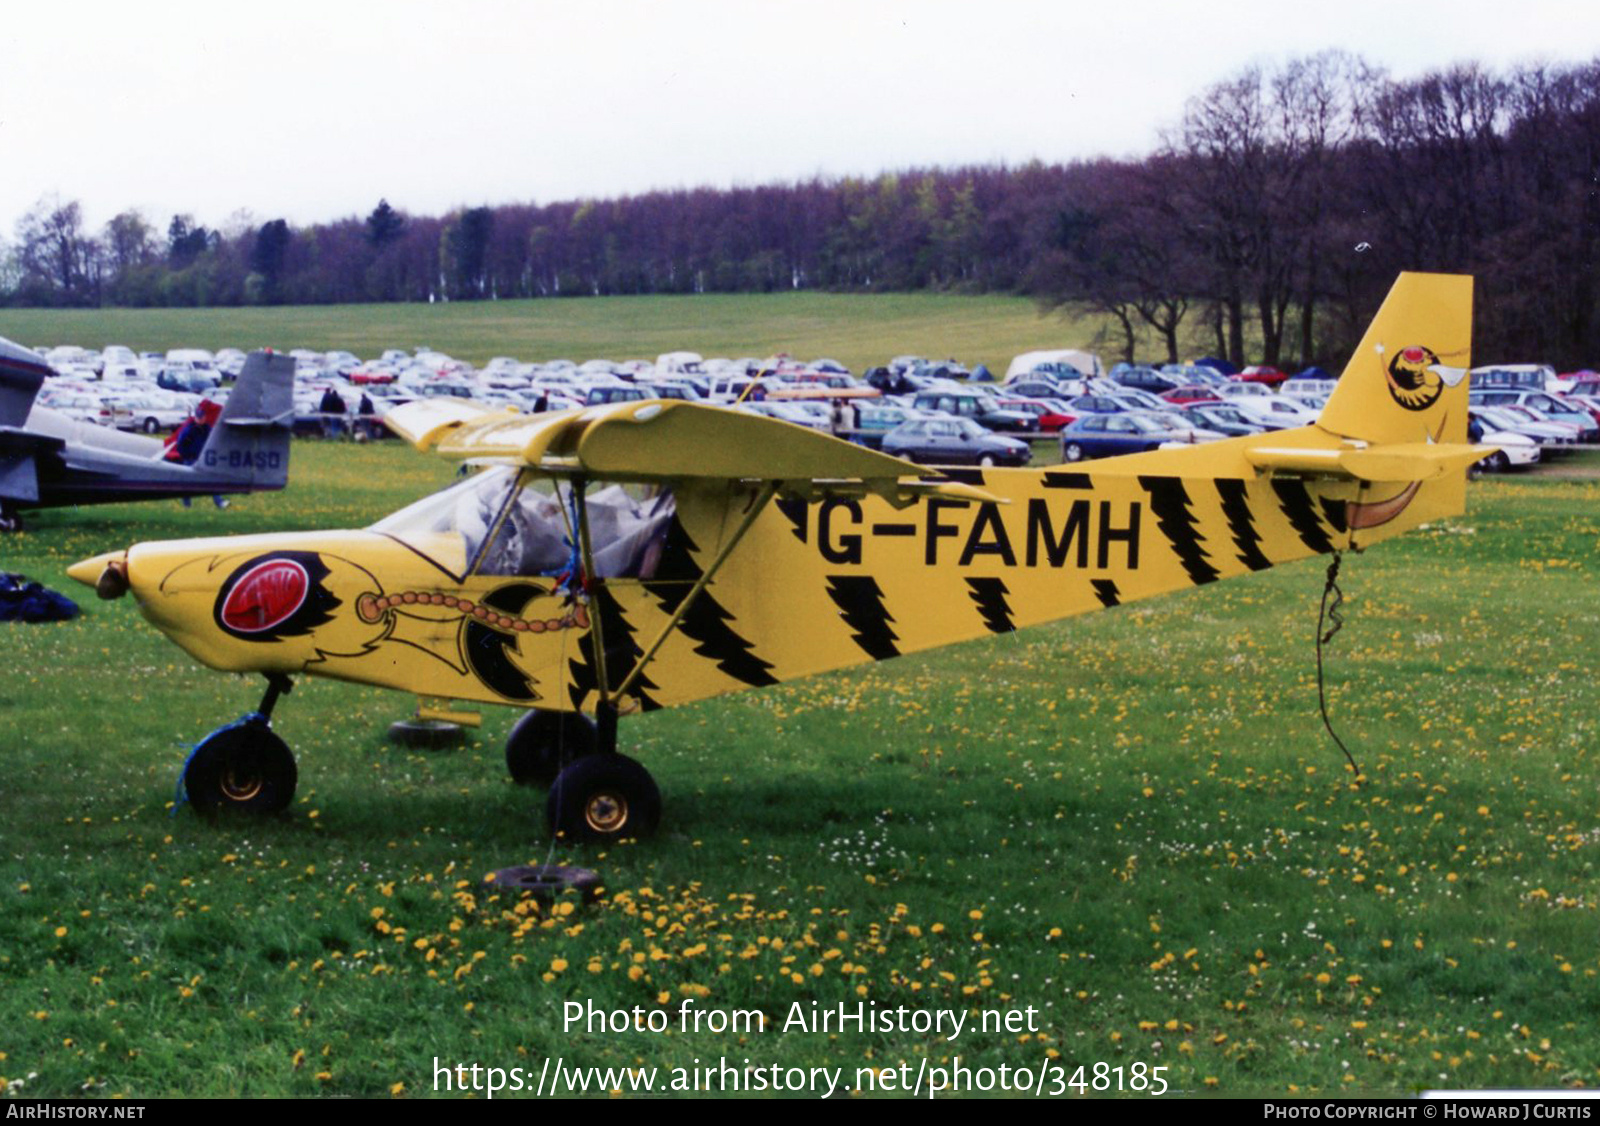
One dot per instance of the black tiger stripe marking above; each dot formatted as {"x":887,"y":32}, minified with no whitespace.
{"x":622,"y":653}
{"x":488,"y":650}
{"x":964,"y":476}
{"x":1295,"y":502}
{"x":1106,"y":591}
{"x":1242,"y":523}
{"x":1333,"y":512}
{"x":798,"y":512}
{"x":1170,"y":502}
{"x":860,"y":602}
{"x":989,"y":595}
{"x":1067,"y":480}
{"x":706,"y":621}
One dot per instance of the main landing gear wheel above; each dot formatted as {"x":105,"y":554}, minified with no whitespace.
{"x":241,"y":766}
{"x":543,"y":742}
{"x":602,"y":798}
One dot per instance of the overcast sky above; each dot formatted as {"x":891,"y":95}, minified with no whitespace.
{"x":312,"y":111}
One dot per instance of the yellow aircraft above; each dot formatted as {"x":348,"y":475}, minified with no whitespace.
{"x":615,"y":559}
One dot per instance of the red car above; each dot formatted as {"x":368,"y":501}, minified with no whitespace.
{"x":1261,"y":373}
{"x":1191,"y":393}
{"x":1050,"y":417}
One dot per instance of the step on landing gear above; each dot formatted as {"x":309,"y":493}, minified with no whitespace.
{"x":243,"y":765}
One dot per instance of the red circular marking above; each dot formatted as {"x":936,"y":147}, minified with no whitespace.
{"x":265,"y":596}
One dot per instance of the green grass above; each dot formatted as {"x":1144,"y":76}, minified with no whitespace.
{"x":858,"y":330}
{"x":1132,"y":822}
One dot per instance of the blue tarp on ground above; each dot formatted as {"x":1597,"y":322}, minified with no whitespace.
{"x":24,"y":601}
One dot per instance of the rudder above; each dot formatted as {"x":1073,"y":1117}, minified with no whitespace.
{"x":250,"y":441}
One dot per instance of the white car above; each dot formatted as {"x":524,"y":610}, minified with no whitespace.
{"x":1275,"y":412}
{"x":150,"y":412}
{"x":1515,"y":451}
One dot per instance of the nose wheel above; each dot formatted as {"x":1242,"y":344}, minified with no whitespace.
{"x":243,"y":765}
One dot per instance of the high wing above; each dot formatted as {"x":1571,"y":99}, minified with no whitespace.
{"x":661,"y":440}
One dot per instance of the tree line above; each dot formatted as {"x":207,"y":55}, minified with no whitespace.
{"x":1267,"y":223}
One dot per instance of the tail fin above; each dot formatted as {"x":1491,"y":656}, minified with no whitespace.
{"x":250,"y":442}
{"x":1407,"y":381}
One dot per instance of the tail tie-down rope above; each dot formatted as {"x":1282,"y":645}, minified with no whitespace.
{"x":1329,"y":612}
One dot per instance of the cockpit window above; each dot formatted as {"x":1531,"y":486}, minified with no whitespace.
{"x":507,"y":527}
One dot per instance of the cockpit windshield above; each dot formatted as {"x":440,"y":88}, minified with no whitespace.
{"x":504,"y":524}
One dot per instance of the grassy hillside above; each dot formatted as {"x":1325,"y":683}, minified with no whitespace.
{"x":859,"y":330}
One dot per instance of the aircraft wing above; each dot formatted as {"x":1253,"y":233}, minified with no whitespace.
{"x":21,"y":373}
{"x":663,"y":440}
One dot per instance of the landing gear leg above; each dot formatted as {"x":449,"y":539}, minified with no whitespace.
{"x":243,"y":765}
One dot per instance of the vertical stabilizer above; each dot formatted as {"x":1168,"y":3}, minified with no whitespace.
{"x":250,"y":441}
{"x":1407,"y":381}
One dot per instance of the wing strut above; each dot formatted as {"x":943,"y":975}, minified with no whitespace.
{"x":768,"y":490}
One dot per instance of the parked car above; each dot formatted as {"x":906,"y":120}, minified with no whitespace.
{"x":1551,"y":407}
{"x":1274,"y":412}
{"x":1512,"y":450}
{"x":1192,"y":393}
{"x":979,"y":406}
{"x":1262,"y":373}
{"x":1052,"y":416}
{"x":1520,"y":420}
{"x":1144,"y":378}
{"x":152,"y":413}
{"x":1108,"y":435}
{"x":953,"y":441}
{"x":1224,"y":418}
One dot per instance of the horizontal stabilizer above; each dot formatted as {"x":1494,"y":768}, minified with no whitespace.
{"x":1410,"y":461}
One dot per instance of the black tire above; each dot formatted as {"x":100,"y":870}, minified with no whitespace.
{"x":606,"y":797}
{"x":1072,"y":452}
{"x":243,"y":766}
{"x":425,"y":734}
{"x":151,"y":426}
{"x":548,"y":882}
{"x":1497,"y":462}
{"x":10,"y":519}
{"x":987,"y":461}
{"x":542,"y":742}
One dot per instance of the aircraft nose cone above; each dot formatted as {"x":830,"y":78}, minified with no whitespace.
{"x":107,"y":573}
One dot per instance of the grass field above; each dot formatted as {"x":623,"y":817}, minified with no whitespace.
{"x":858,"y":330}
{"x":1133,"y":822}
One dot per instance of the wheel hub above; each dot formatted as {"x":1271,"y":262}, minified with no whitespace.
{"x":606,"y":812}
{"x":240,"y":786}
